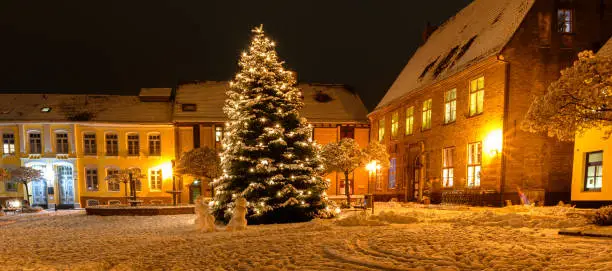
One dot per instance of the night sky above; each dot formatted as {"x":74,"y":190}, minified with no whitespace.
{"x":116,"y":47}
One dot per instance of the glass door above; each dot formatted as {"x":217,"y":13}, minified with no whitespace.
{"x":66,"y":184}
{"x":39,"y":188}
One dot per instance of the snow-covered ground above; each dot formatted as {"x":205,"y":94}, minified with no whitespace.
{"x":396,"y":238}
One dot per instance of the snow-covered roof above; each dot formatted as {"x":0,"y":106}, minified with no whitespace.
{"x":477,"y":32}
{"x":67,"y":108}
{"x":336,"y":103}
{"x":606,"y":50}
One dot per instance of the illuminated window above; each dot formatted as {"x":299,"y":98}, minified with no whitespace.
{"x":409,"y":120}
{"x":474,"y":164}
{"x":113,"y":186}
{"x":392,"y":173}
{"x":394,"y":124}
{"x":450,"y":106}
{"x":476,"y":96}
{"x":593,"y":172}
{"x":133,"y":141}
{"x":155,"y":145}
{"x":89,"y":144}
{"x":8,"y":143}
{"x":448,"y":171}
{"x":381,"y":129}
{"x":565,"y":20}
{"x":35,"y":143}
{"x":91,"y":179}
{"x":218,"y":133}
{"x":45,"y":109}
{"x":61,"y":140}
{"x":156,"y":179}
{"x":426,"y":115}
{"x":342,"y":188}
{"x":112,"y":145}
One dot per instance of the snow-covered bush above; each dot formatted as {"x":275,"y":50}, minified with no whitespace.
{"x":603,"y":216}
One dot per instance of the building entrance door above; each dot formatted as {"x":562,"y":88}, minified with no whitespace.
{"x":195,"y":190}
{"x":66,"y":185}
{"x":39,"y":189}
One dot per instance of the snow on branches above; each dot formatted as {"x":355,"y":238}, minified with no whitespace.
{"x":580,"y":100}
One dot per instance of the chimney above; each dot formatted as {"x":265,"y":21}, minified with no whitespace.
{"x":429,"y":29}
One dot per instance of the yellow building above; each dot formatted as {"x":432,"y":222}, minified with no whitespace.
{"x":334,"y":111}
{"x":77,"y":140}
{"x":591,"y":178}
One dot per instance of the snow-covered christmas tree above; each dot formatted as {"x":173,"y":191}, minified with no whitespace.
{"x":269,"y":157}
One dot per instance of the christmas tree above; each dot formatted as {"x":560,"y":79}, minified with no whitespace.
{"x":269,"y":156}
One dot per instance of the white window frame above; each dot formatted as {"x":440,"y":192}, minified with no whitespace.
{"x":111,"y":143}
{"x":39,"y":147}
{"x":156,"y":179}
{"x":409,"y":120}
{"x":450,"y":106}
{"x":476,"y":98}
{"x":474,"y":165}
{"x":8,"y":143}
{"x":593,"y":180}
{"x":448,"y":169}
{"x":394,"y":124}
{"x":133,"y":145}
{"x":91,"y":178}
{"x":90,"y":145}
{"x":426,"y":120}
{"x":381,"y":129}
{"x":108,"y":182}
{"x":62,"y":144}
{"x":155,"y":144}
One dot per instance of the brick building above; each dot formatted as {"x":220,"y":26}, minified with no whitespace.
{"x":453,"y":115}
{"x":334,"y":111}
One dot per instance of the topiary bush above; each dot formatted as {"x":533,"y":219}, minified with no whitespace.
{"x":603,"y":216}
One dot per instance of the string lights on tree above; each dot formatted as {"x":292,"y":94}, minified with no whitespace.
{"x":269,"y":158}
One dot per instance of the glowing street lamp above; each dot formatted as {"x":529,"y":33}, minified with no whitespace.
{"x":372,"y":167}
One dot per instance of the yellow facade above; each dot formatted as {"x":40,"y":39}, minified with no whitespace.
{"x":585,"y":184}
{"x":143,"y":160}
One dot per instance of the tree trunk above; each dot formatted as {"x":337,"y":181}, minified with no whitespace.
{"x":347,"y":189}
{"x":25,"y":185}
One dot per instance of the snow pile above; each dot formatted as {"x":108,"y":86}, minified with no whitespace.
{"x":517,"y":220}
{"x":380,"y":219}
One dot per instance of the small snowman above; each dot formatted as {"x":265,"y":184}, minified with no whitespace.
{"x":204,"y":221}
{"x":238,"y":221}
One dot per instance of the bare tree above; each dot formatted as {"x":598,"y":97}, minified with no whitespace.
{"x":25,"y":175}
{"x":127,"y":176}
{"x":200,"y":163}
{"x":580,"y":100}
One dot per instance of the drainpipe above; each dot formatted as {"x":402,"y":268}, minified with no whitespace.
{"x":500,"y":58}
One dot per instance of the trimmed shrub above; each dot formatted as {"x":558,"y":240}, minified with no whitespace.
{"x":603,"y":216}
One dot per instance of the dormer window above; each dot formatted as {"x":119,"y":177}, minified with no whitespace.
{"x":189,"y":107}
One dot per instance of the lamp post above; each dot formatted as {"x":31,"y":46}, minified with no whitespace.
{"x":371,"y":167}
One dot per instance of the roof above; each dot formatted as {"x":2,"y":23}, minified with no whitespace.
{"x":68,"y":108}
{"x":155,"y":94}
{"x":477,"y":32}
{"x":336,"y":103}
{"x":606,"y":50}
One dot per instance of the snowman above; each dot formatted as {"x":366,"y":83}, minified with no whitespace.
{"x":204,"y":221}
{"x":238,"y":221}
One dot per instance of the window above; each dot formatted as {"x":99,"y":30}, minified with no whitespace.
{"x":11,"y":186}
{"x":394,"y":124}
{"x":450,"y":106}
{"x":392,"y":173}
{"x":61,"y":141}
{"x":594,"y":170}
{"x":426,"y":115}
{"x":448,"y":172}
{"x":45,"y":109}
{"x":342,"y":183}
{"x":381,"y":129}
{"x":155,"y":145}
{"x":112,"y":145}
{"x":474,"y":161}
{"x":188,"y":107}
{"x":409,"y":120}
{"x":133,"y":144}
{"x":89,"y":144}
{"x":113,"y":186}
{"x":91,"y":178}
{"x":218,"y":133}
{"x":347,"y":132}
{"x":565,"y":20}
{"x":138,"y":184}
{"x":35,"y":143}
{"x":8,"y":143}
{"x":476,"y":96}
{"x":156,"y":179}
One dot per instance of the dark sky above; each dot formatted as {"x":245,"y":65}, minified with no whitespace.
{"x":116,"y":47}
